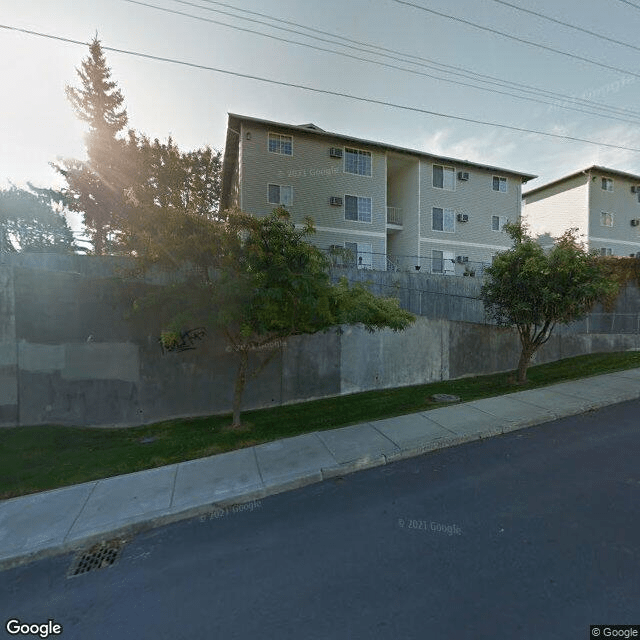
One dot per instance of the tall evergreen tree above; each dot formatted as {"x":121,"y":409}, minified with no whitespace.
{"x":95,"y":186}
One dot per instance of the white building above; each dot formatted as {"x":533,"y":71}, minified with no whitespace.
{"x":603,"y":204}
{"x":391,"y":207}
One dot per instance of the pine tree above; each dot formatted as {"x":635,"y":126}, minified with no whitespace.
{"x":95,"y":186}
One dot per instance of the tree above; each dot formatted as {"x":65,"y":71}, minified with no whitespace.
{"x":29,"y":222}
{"x":95,"y":186}
{"x":267,"y":284}
{"x":172,"y":198}
{"x":535,"y":290}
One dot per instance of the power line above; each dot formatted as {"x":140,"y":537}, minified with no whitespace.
{"x":424,"y":62}
{"x":354,"y":57}
{"x":567,"y":24}
{"x":522,"y":40}
{"x":339,"y":94}
{"x":631,"y":4}
{"x":459,"y":71}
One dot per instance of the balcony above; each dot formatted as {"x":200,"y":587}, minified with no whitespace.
{"x":394,"y":216}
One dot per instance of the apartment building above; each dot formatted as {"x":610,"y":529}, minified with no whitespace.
{"x":374,"y":205}
{"x":603,"y":204}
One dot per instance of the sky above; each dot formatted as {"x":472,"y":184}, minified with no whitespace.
{"x":414,"y":39}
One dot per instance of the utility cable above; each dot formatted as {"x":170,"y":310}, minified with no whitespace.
{"x":635,"y":115}
{"x":521,"y":40}
{"x":567,"y":24}
{"x":405,"y":57}
{"x":328,"y":92}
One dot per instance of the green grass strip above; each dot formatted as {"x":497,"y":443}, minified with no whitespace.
{"x":43,"y":457}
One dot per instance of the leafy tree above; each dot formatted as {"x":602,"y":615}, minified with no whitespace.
{"x":95,"y":186}
{"x":29,"y":222}
{"x":267,"y":284}
{"x":535,"y":290}
{"x":172,"y":199}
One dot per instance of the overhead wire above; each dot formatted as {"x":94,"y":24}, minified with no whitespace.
{"x":517,"y":39}
{"x":422,"y":61}
{"x":631,"y":4}
{"x":430,"y":64}
{"x":329,"y":92}
{"x":567,"y":24}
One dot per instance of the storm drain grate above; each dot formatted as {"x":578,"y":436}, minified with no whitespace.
{"x":101,"y":555}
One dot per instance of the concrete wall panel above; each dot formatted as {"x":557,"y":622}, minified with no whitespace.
{"x":47,"y":398}
{"x":311,"y":367}
{"x":41,"y":357}
{"x":106,"y":361}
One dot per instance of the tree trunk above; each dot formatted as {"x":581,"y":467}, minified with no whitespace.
{"x":523,"y":364}
{"x":241,"y":379}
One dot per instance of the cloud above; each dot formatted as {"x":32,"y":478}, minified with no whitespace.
{"x":490,"y":147}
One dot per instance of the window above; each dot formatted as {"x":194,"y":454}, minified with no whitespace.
{"x":281,"y":144}
{"x":357,"y":208}
{"x":444,"y":177}
{"x":360,"y":254}
{"x":436,"y":261}
{"x":280,"y":194}
{"x":607,"y":184}
{"x":606,"y":219}
{"x":605,"y":251}
{"x":358,"y":162}
{"x":497,"y":222}
{"x":499,"y":184}
{"x":443,"y":220}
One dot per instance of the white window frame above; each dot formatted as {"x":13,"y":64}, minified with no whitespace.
{"x":603,"y":219}
{"x":279,"y":139}
{"x":446,"y":213}
{"x":607,"y":184}
{"x":360,"y":153}
{"x":502,"y":220}
{"x":359,"y":201}
{"x":502,"y":180}
{"x":280,"y":199}
{"x":446,"y":170}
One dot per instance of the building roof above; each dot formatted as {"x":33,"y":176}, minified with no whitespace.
{"x":592,"y":168}
{"x":314,"y":129}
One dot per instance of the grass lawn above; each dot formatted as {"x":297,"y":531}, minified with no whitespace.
{"x":48,"y":456}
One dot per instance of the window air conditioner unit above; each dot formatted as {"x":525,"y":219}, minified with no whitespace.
{"x":635,"y":222}
{"x":335,"y":201}
{"x":463,"y":217}
{"x":463,"y":175}
{"x":635,"y":189}
{"x":461,"y":259}
{"x":335,"y":152}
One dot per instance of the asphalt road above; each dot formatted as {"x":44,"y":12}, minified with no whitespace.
{"x":535,"y":534}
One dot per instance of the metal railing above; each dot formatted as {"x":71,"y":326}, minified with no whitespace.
{"x":611,"y":323}
{"x":347,"y":258}
{"x":394,"y":215}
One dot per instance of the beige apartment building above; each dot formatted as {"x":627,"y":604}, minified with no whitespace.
{"x":374,"y":205}
{"x":603,"y":204}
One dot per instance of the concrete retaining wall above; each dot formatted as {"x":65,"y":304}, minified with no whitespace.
{"x":69,"y":356}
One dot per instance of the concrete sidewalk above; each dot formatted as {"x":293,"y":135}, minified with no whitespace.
{"x":57,"y":521}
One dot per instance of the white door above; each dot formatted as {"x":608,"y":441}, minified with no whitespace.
{"x":449,"y":263}
{"x":365,"y":256}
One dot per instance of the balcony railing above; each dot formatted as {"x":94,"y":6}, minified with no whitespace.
{"x":394,"y":215}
